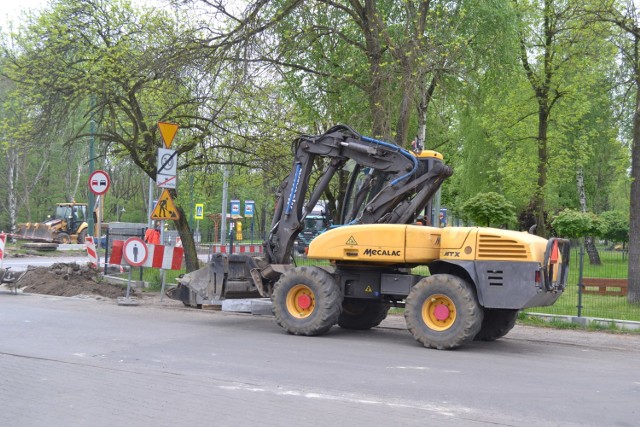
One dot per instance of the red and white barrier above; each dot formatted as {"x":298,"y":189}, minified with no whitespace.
{"x":159,"y":256}
{"x":92,"y":254}
{"x":240,"y":249}
{"x":165,"y":257}
{"x":90,"y":245}
{"x":3,"y":239}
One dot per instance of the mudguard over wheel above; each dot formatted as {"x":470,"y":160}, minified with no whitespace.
{"x":306,"y":301}
{"x":442,"y":312}
{"x":496,"y":324}
{"x":362,"y":314}
{"x":82,"y":236}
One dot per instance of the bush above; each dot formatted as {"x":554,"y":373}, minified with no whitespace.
{"x":575,"y":224}
{"x":486,"y":209}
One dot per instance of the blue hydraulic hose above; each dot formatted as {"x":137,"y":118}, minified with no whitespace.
{"x":294,"y":187}
{"x":402,"y":151}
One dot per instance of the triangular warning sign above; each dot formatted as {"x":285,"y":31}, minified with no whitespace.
{"x":168,"y":132}
{"x":351,"y":241}
{"x":165,"y":208}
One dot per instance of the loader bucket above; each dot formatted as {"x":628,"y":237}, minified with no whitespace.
{"x":37,"y":231}
{"x":225,"y":277}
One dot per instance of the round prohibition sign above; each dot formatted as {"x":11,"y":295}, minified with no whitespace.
{"x":167,"y":161}
{"x":135,"y":251}
{"x":99,"y":182}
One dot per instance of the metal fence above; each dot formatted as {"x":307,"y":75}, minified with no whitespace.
{"x":119,"y":233}
{"x":596,"y":290}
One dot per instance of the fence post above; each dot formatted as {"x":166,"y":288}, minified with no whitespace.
{"x":580,"y":274}
{"x":141,"y":235}
{"x":106,"y":250}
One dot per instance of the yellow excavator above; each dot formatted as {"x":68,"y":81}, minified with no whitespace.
{"x":477,"y":280}
{"x":68,"y":224}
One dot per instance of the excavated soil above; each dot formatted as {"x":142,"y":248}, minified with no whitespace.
{"x":68,"y":280}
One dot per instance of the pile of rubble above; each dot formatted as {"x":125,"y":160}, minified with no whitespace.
{"x":68,"y":280}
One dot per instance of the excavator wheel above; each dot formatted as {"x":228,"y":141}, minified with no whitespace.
{"x":496,"y":324}
{"x":63,"y":238}
{"x":362,"y":314}
{"x":306,"y":301}
{"x":442,"y":312}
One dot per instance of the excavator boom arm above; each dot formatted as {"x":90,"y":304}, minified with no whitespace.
{"x":388,"y":184}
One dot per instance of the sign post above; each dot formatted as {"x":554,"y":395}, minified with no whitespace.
{"x":135,"y":252}
{"x":168,"y":132}
{"x":167,"y":168}
{"x":165,"y":208}
{"x":99,"y":183}
{"x":166,"y":178}
{"x":249,"y":208}
{"x":198,"y":215}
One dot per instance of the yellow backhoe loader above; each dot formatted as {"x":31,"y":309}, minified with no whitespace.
{"x":68,"y":224}
{"x":477,"y":279}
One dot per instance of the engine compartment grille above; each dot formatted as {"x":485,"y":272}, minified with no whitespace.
{"x":492,"y":246}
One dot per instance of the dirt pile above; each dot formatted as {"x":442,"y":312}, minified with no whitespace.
{"x":68,"y":280}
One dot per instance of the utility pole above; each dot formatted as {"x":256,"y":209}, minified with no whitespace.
{"x":92,"y":197}
{"x":150,"y":203}
{"x":225,"y":190}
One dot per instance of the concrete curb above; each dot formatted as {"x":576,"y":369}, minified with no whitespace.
{"x":627,"y":325}
{"x":262,"y":306}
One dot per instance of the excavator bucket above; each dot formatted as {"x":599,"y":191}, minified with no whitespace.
{"x":225,"y":277}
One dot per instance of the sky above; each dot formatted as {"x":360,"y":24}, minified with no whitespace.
{"x":10,"y":10}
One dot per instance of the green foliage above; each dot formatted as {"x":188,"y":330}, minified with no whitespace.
{"x":575,"y":224}
{"x":615,"y":226}
{"x":488,"y":209}
{"x":240,"y":98}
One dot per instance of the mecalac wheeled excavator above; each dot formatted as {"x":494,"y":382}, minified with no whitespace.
{"x":479,"y":278}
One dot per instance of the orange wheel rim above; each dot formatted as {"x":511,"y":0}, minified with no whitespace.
{"x":301,"y":301}
{"x":439,"y":312}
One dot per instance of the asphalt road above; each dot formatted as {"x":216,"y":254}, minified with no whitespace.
{"x":66,"y":362}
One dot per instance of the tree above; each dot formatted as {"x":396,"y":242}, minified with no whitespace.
{"x":626,"y":17}
{"x":489,"y":208}
{"x":552,"y":39}
{"x":130,"y":68}
{"x":616,"y":226}
{"x":574,"y":224}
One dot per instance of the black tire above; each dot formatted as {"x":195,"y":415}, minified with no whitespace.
{"x":63,"y":238}
{"x":362,"y":314}
{"x":81,"y":236}
{"x":442,"y":312}
{"x":306,"y":301}
{"x":496,"y":324}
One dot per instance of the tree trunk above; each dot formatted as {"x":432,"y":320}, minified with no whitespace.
{"x":402,"y":128}
{"x":12,"y":174}
{"x":189,"y":245}
{"x":538,"y":197}
{"x":589,"y":241}
{"x":426,"y":94}
{"x":633,"y":295}
{"x":379,"y":117}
